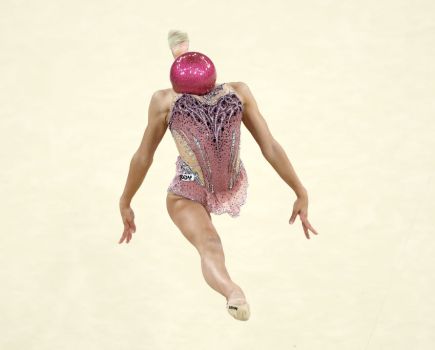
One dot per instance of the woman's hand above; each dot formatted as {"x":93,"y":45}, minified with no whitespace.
{"x":128,"y":220}
{"x":301,"y":207}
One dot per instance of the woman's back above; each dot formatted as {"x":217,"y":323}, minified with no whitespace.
{"x":206,"y":131}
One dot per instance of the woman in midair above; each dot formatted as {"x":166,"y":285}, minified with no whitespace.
{"x":204,"y":119}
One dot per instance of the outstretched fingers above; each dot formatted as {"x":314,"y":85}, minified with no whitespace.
{"x":293,"y":217}
{"x":129,"y":229}
{"x":307,"y":226}
{"x":305,"y":223}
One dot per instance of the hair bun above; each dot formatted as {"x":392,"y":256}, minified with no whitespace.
{"x":176,"y":37}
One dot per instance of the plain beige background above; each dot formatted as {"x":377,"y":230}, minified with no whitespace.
{"x":346,"y":87}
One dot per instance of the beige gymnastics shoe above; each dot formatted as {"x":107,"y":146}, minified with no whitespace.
{"x":240,"y":312}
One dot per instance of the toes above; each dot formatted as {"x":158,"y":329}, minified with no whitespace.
{"x":239,"y":312}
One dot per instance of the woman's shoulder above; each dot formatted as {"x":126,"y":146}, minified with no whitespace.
{"x":161,"y":102}
{"x":239,"y":87}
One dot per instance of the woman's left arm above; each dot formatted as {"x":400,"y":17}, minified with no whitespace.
{"x":275,"y":155}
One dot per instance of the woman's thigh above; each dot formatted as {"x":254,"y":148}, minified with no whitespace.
{"x":192,"y":218}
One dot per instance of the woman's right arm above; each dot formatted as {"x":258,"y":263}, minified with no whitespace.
{"x":143,"y":157}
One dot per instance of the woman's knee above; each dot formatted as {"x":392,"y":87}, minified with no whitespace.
{"x":209,"y":241}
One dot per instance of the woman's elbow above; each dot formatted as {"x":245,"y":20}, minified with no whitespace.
{"x":268,"y":149}
{"x":143,"y":157}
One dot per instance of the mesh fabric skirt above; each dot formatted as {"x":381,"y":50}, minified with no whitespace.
{"x":229,"y":201}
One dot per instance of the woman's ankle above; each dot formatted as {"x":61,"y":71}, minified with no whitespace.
{"x":236,"y":294}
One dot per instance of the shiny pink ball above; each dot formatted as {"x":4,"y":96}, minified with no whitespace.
{"x":193,"y":73}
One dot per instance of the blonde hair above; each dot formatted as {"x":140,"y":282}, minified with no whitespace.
{"x":176,"y":37}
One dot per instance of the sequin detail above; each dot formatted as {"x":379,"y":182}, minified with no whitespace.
{"x":206,"y":131}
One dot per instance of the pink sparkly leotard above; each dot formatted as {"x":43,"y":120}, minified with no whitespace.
{"x":206,"y":131}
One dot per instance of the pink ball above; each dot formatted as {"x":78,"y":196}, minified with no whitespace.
{"x":193,"y":73}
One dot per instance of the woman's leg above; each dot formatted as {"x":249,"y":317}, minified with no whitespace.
{"x":194,"y":221}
